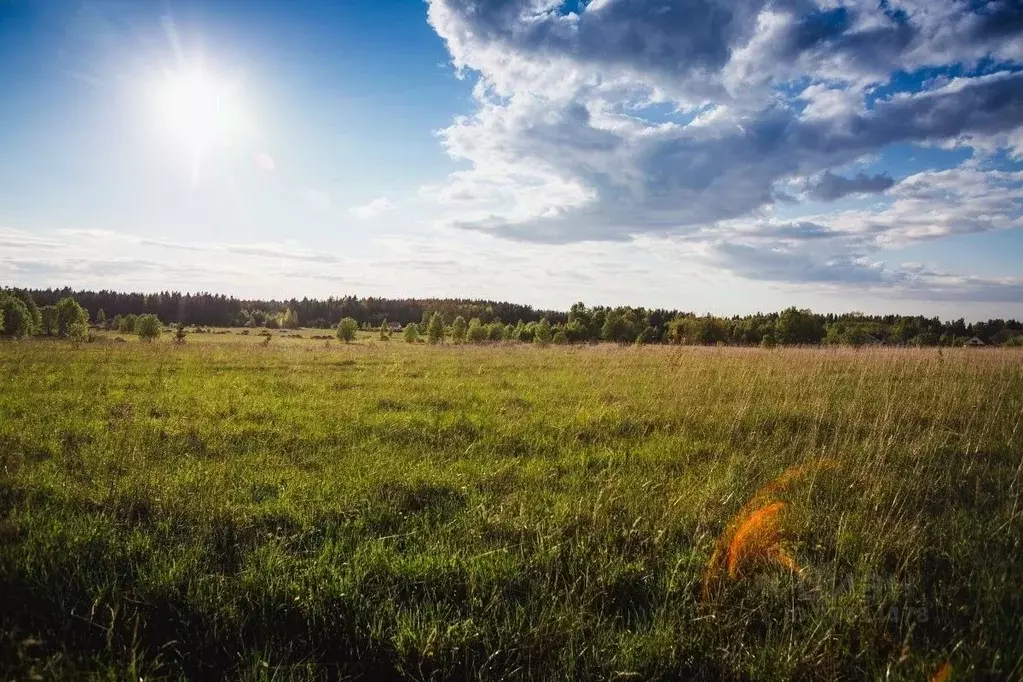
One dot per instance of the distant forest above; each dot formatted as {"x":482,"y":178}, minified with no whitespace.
{"x":579,"y":324}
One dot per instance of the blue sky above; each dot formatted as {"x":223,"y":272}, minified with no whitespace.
{"x":701,"y":154}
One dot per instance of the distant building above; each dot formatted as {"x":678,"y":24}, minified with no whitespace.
{"x":975,"y":342}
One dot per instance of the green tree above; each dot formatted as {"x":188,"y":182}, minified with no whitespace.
{"x":435,"y":332}
{"x":495,"y":330}
{"x":542,"y":332}
{"x":127,"y":325}
{"x":477,"y":333}
{"x":459,"y":330}
{"x":180,"y":334}
{"x":49,"y":317}
{"x":560,"y":338}
{"x":347,"y":328}
{"x":707,"y":330}
{"x":148,"y":327}
{"x":618,"y":328}
{"x":576,"y":331}
{"x":68,"y":313}
{"x":411,"y":332}
{"x":508,"y":333}
{"x":101,"y":318}
{"x":15,"y":320}
{"x":289,"y":320}
{"x":385,"y":330}
{"x":795,"y":326}
{"x":34,"y":314}
{"x":647,"y":335}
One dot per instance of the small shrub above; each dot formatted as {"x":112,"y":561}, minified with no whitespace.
{"x":347,"y":329}
{"x":79,"y":332}
{"x":148,"y":327}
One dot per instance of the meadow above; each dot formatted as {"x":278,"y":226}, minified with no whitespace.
{"x":305,"y":509}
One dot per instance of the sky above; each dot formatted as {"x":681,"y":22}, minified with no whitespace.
{"x":724,"y":156}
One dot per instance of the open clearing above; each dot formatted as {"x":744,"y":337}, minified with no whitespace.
{"x":225,"y":509}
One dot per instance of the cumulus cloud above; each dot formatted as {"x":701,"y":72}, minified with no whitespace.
{"x":373,"y":209}
{"x":695,"y":120}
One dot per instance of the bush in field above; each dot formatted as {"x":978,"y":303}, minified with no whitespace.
{"x":79,"y":331}
{"x":477,"y":333}
{"x":69,"y":312}
{"x":495,"y":331}
{"x":347,"y":328}
{"x":560,"y":338}
{"x":768,"y":341}
{"x":15,"y":320}
{"x":101,"y":318}
{"x":385,"y":330}
{"x":542,"y":332}
{"x":435,"y":330}
{"x":180,"y":334}
{"x":508,"y":333}
{"x":458,"y":330}
{"x":148,"y":327}
{"x":411,"y":332}
{"x":127,"y":324}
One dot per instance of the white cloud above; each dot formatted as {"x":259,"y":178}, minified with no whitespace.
{"x":373,"y":209}
{"x":695,"y":121}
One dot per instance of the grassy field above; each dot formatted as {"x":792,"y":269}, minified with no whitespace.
{"x":305,"y":510}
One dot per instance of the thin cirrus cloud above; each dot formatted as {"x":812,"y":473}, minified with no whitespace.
{"x":697,"y":122}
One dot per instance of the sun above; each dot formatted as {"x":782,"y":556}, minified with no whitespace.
{"x":197,"y":111}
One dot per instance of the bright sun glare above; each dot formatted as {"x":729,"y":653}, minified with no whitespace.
{"x":198,"y":111}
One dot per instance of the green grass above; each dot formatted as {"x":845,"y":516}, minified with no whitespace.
{"x":305,"y":510}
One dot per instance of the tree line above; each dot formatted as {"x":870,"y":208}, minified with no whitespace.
{"x":792,"y":326}
{"x":216,"y":310}
{"x":55,"y":311}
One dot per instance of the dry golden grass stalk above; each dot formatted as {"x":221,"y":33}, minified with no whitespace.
{"x":943,"y":673}
{"x":753,"y":536}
